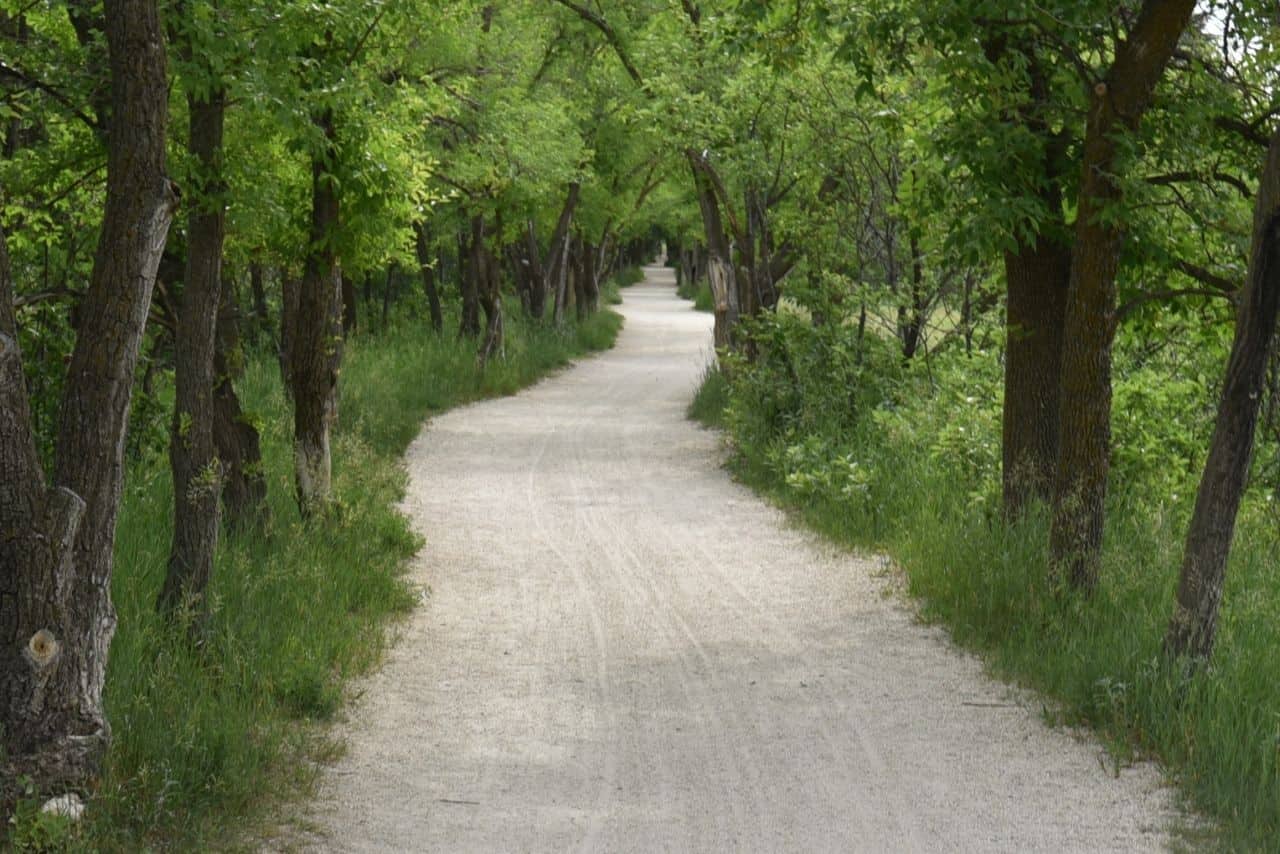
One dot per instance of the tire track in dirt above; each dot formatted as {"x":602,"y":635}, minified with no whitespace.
{"x":625,"y":651}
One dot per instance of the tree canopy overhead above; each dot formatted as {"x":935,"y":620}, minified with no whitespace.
{"x":1043,"y":183}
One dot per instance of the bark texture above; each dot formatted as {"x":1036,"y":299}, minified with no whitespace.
{"x":590,"y":278}
{"x":471,"y":250}
{"x":423,"y":246}
{"x":720,"y":272}
{"x":1116,"y":106}
{"x":315,"y":352}
{"x":1036,"y":278}
{"x":1037,"y":275}
{"x":193,"y":456}
{"x":555,"y":270}
{"x":488,"y":291}
{"x":1226,"y":471}
{"x":56,"y":615}
{"x":244,"y":489}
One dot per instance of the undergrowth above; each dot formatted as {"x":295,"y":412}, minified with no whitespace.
{"x":905,"y":459}
{"x":208,"y":739}
{"x":699,"y":292}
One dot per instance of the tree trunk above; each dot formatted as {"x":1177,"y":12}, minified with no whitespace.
{"x":316,"y":352}
{"x":488,"y":283}
{"x":1036,"y":278}
{"x":590,"y":278}
{"x":56,"y":615}
{"x":423,"y":247}
{"x":290,"y":289}
{"x":558,"y":254}
{"x":580,"y":268}
{"x":536,"y":276}
{"x":388,"y":296}
{"x":261,"y":317}
{"x":470,"y":279}
{"x":1116,"y":105}
{"x":911,"y":317}
{"x":35,"y":569}
{"x":244,"y":490}
{"x":720,"y":272}
{"x":560,"y":264}
{"x":1226,"y":471}
{"x":350,"y":306}
{"x":197,"y":473}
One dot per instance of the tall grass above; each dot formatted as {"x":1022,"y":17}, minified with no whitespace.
{"x":910,"y":471}
{"x":699,"y":292}
{"x":209,"y":738}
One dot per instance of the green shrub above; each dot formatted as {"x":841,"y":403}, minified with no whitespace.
{"x":700,"y":293}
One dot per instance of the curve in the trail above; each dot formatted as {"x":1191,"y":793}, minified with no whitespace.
{"x":623,"y":650}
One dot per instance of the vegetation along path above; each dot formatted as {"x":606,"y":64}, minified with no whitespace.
{"x":623,"y":650}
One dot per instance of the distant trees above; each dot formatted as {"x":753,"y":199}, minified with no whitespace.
{"x":905,"y":171}
{"x":1090,"y":158}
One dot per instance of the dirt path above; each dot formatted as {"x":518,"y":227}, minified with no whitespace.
{"x":623,"y":650}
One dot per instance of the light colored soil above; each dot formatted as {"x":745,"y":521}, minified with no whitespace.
{"x":623,"y":650}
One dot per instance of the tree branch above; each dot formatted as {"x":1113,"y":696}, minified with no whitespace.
{"x":1170,"y":294}
{"x":9,"y":71}
{"x":1221,"y":284}
{"x":1192,"y":177}
{"x":1246,"y":130}
{"x":610,"y":34}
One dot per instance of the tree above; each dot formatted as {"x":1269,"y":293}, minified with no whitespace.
{"x":56,"y":558}
{"x":315,"y":350}
{"x":1116,"y":105}
{"x":194,"y":458}
{"x":1193,"y":626}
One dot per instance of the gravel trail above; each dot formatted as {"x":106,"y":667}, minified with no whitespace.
{"x":623,"y":650}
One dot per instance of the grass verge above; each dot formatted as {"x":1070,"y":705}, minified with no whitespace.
{"x":885,"y":486}
{"x":700,"y":293}
{"x":209,"y":739}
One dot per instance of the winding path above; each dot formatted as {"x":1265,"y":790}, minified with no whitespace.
{"x":623,"y":650}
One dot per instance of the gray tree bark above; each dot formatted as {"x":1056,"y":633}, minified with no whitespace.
{"x":315,"y":349}
{"x":1116,"y":105}
{"x":193,"y":455}
{"x":56,"y":614}
{"x":1193,"y":625}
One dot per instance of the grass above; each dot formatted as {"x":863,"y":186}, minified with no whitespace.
{"x":711,"y":399}
{"x":628,"y":276}
{"x":700,"y":293}
{"x":1217,"y":734}
{"x":212,"y":739}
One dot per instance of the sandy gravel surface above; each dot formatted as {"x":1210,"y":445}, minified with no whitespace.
{"x":623,"y":650}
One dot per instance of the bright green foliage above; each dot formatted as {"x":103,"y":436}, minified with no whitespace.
{"x":889,"y":152}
